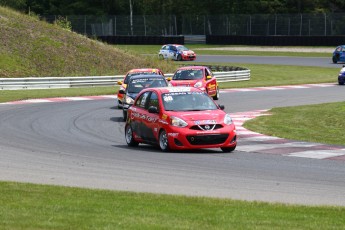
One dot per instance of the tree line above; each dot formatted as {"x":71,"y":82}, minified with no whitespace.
{"x":173,"y":7}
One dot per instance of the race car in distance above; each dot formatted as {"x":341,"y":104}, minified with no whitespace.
{"x":138,"y":83}
{"x":179,"y":118}
{"x":196,"y":76}
{"x":129,"y":74}
{"x":341,"y":76}
{"x":339,"y":54}
{"x":176,"y":52}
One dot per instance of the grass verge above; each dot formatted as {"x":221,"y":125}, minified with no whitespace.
{"x":202,"y":49}
{"x":261,"y":75}
{"x":29,"y":206}
{"x":321,"y":123}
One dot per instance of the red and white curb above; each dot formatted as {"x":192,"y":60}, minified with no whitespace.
{"x":249,"y":141}
{"x":60,"y":99}
{"x":284,"y":87}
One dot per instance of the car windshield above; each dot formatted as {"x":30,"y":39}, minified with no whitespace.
{"x":188,"y":101}
{"x":188,"y":74}
{"x":136,"y":85}
{"x":182,"y":48}
{"x":128,"y":77}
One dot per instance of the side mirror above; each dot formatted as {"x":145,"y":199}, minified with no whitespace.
{"x":153,"y":109}
{"x":208,"y":77}
{"x":121,"y":91}
{"x":119,"y":82}
{"x":222,"y":107}
{"x":168,"y":78}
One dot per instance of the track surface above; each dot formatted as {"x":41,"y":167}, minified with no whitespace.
{"x":296,"y":61}
{"x":81,"y":143}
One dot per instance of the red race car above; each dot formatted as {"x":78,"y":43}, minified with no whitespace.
{"x":197,"y":76}
{"x":178,"y":118}
{"x":133,"y":72}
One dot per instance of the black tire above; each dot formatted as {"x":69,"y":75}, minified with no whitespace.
{"x":228,"y":149}
{"x":129,"y":137}
{"x":216,"y":97}
{"x":179,"y":57}
{"x":335,"y":60}
{"x":163,"y":141}
{"x":341,"y":82}
{"x":124,"y":115}
{"x":119,"y":105}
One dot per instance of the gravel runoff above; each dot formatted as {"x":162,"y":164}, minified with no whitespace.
{"x":274,"y":49}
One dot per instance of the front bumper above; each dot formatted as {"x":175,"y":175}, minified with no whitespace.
{"x":185,"y":138}
{"x":188,"y":57}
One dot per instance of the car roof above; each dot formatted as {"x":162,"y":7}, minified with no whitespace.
{"x":147,"y":76}
{"x":192,"y":67}
{"x":173,"y":45}
{"x":144,"y":70}
{"x":175,"y":89}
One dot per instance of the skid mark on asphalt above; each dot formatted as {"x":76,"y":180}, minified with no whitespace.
{"x":249,"y":141}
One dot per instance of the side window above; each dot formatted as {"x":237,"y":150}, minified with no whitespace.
{"x":173,"y":48}
{"x":153,"y":101}
{"x":142,"y":100}
{"x":208,"y":72}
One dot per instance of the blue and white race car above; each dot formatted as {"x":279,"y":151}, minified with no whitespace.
{"x":341,"y":76}
{"x":339,"y":54}
{"x":176,"y":52}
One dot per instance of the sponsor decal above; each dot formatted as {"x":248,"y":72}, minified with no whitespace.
{"x":143,"y":116}
{"x":211,"y":86}
{"x":173,"y":134}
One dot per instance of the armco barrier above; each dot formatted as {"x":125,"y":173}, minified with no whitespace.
{"x":70,"y":82}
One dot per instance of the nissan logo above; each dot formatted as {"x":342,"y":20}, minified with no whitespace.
{"x":207,"y":127}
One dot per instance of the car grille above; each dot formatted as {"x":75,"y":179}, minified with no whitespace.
{"x":206,"y":127}
{"x":207,"y":139}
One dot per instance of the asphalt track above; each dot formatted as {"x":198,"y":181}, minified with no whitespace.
{"x":297,"y":61}
{"x":82,"y":144}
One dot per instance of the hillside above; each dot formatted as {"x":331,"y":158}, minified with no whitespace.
{"x":33,"y":48}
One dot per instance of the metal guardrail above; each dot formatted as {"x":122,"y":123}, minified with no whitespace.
{"x":70,"y":82}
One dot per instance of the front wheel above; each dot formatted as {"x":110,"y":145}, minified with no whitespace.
{"x":163,"y":141}
{"x":341,"y":82}
{"x":129,"y":137}
{"x":124,"y":115}
{"x":228,"y":149}
{"x":216,"y":97}
{"x":160,"y":57}
{"x":179,"y":57}
{"x":335,"y":60}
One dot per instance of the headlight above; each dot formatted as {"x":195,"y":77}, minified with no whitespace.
{"x":178,"y":122}
{"x":129,"y":100}
{"x":198,"y":84}
{"x":227,"y":119}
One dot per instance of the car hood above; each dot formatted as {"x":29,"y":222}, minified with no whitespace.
{"x":206,"y":116}
{"x":184,"y":82}
{"x":188,"y":52}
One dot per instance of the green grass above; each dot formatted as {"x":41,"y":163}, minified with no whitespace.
{"x":261,"y":75}
{"x":29,"y":206}
{"x":33,"y":48}
{"x":199,"y":49}
{"x":321,"y":123}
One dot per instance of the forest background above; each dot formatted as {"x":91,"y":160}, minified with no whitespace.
{"x":174,"y":7}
